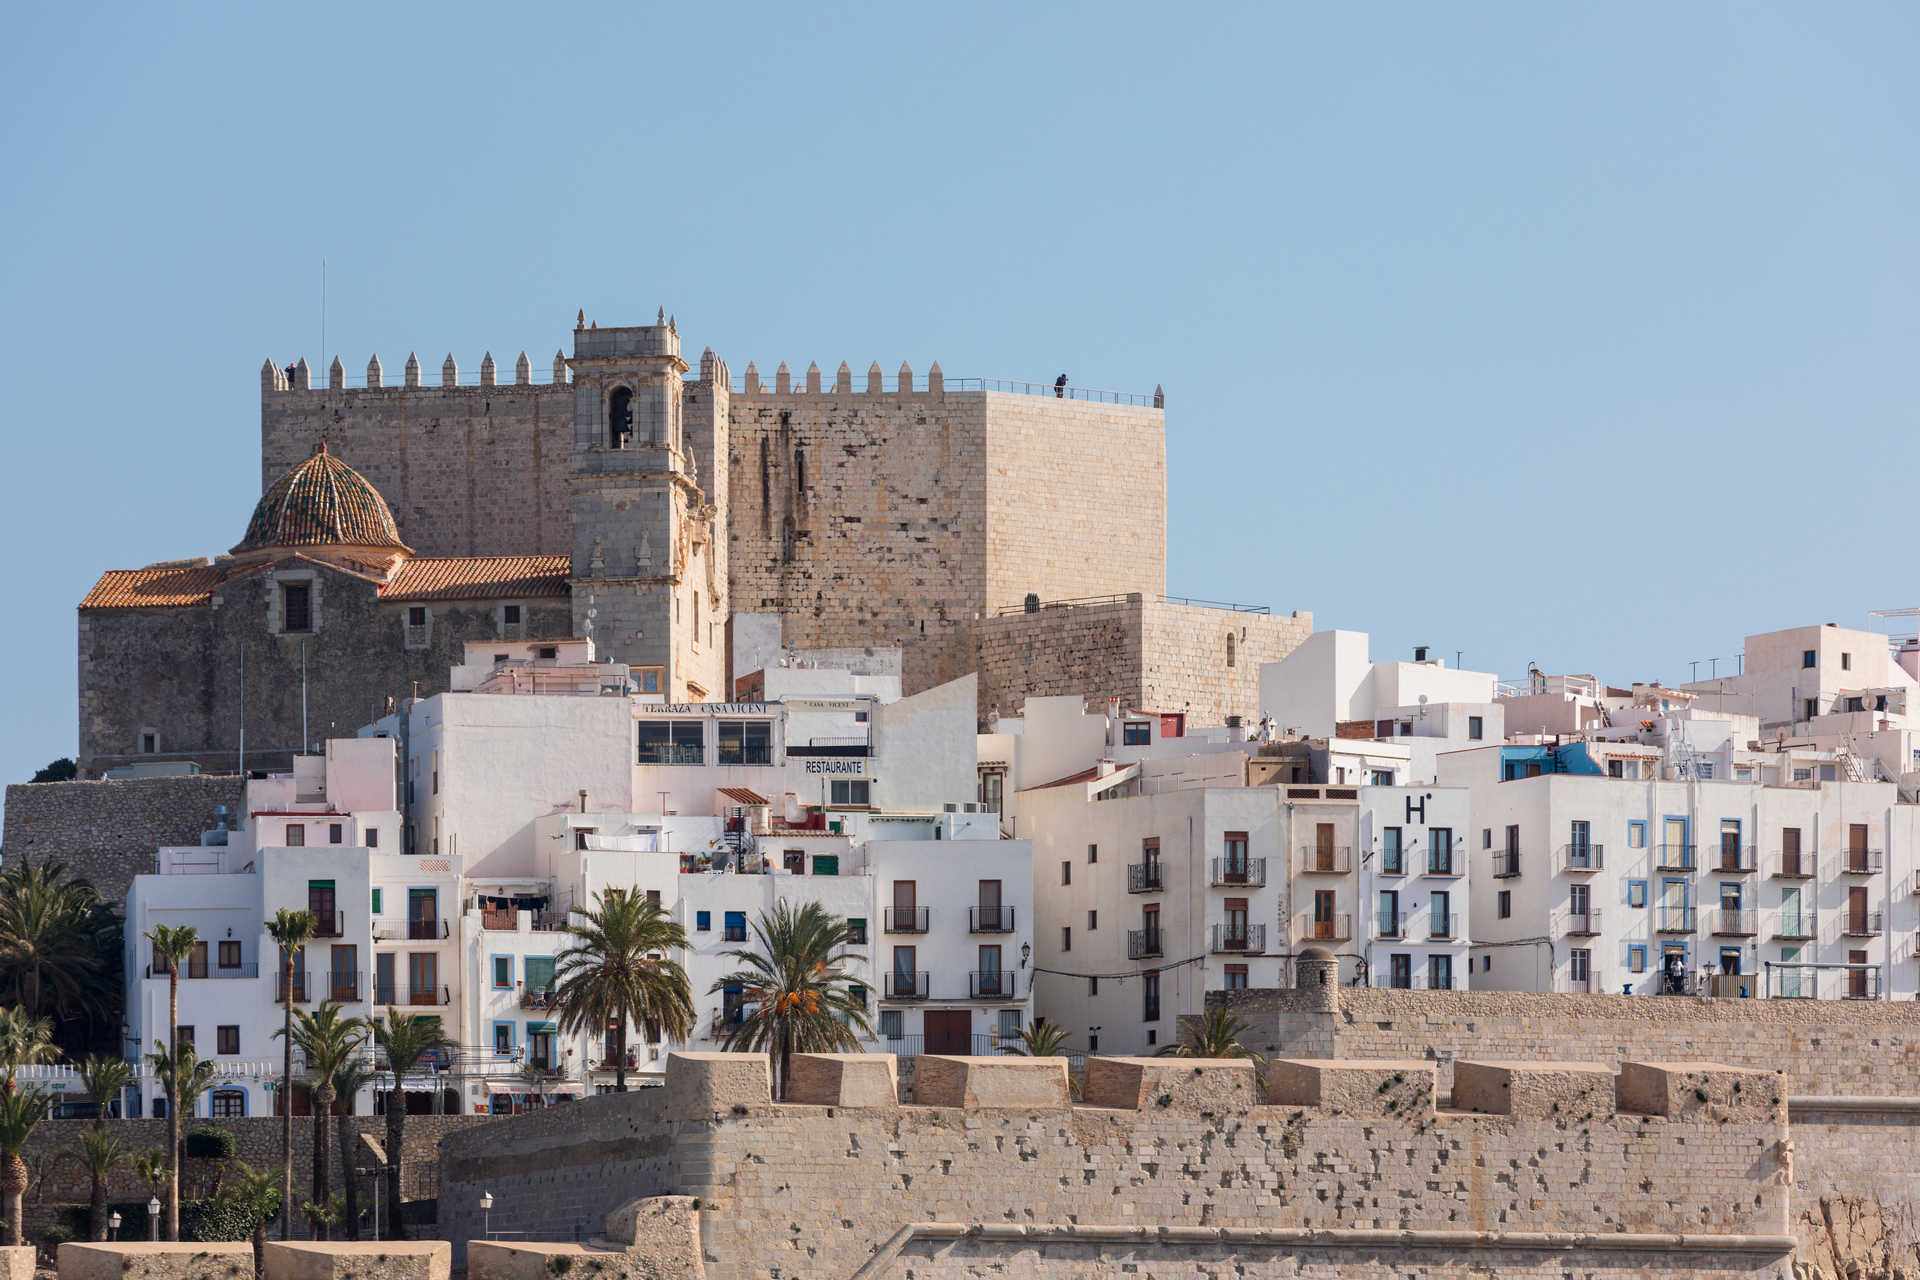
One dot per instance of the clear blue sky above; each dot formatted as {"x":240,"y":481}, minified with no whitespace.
{"x":1577,"y":335}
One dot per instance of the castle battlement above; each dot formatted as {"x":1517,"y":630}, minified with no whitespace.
{"x":299,"y":377}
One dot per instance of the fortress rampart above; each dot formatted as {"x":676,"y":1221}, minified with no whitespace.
{"x":1168,"y":1166}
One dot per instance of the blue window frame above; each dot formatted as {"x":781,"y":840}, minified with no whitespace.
{"x":1636,"y":835}
{"x":703,"y":922}
{"x":736,"y":926}
{"x":503,"y":973}
{"x":503,"y":1038}
{"x":1636,"y":893}
{"x":1637,"y":958}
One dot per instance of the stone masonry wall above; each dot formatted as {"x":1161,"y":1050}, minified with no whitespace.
{"x":107,"y":831}
{"x":1826,"y":1047}
{"x":1189,"y":1160}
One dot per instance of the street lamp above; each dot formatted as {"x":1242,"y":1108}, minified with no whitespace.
{"x":113,"y":1224}
{"x":153,"y":1218}
{"x":486,"y":1213}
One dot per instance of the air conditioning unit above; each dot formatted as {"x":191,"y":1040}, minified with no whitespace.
{"x":951,"y":808}
{"x":970,"y":807}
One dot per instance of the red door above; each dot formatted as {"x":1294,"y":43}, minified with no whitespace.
{"x":949,"y":1031}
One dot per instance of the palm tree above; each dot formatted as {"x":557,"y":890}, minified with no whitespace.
{"x":20,"y":1111}
{"x":797,"y":993}
{"x":106,"y":1081}
{"x":328,"y":1042}
{"x":404,"y":1038}
{"x":24,"y":1042}
{"x":1038,"y":1040}
{"x":617,"y":972}
{"x":100,"y":1153}
{"x":173,"y":944}
{"x":1216,"y":1035}
{"x":150,"y":1166}
{"x":292,"y":930}
{"x":59,"y":950}
{"x":256,"y":1192}
{"x":348,"y":1080}
{"x":190,"y":1083}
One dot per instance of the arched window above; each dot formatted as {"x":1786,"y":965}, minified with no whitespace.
{"x":619,"y":418}
{"x":1229,"y":648}
{"x":228,"y":1102}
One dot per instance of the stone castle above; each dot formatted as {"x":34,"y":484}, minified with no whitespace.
{"x":974,"y":524}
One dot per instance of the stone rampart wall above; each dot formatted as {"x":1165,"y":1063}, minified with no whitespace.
{"x":107,"y":830}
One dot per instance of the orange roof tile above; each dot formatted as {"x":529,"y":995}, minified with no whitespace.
{"x":479,"y":578}
{"x":155,"y":588}
{"x":740,"y":795}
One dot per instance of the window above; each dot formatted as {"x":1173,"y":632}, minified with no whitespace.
{"x":855,"y":793}
{"x":1229,"y":648}
{"x":186,"y":1037}
{"x":227,"y":1039}
{"x":703,"y":922}
{"x":619,"y":418}
{"x":1846,"y":662}
{"x":1440,"y":916}
{"x":197,"y":961}
{"x":1150,"y":996}
{"x":1440,"y":973}
{"x":1093,"y":921}
{"x":1389,"y":914}
{"x":1093,"y":986}
{"x":892,"y":1025}
{"x":1136,"y":733}
{"x":1093,"y":854}
{"x":736,"y":926}
{"x":1810,"y":708}
{"x":1392,"y":861}
{"x":1066,"y":872}
{"x":1381,"y":777}
{"x":1636,"y":893}
{"x":296,"y":606}
{"x":1400,"y":971}
{"x":229,"y":955}
{"x":1475,"y":728}
{"x":503,"y":1038}
{"x":1636,"y":835}
{"x":649,"y":678}
{"x":1486,"y":837}
{"x":1505,"y":904}
{"x":1236,"y":977}
{"x":1580,"y":964}
{"x":335,"y":831}
{"x":746,"y":742}
{"x":1806,"y":657}
{"x":1406,"y":728}
{"x":373,"y":837}
{"x":149,"y":742}
{"x":1486,"y":963}
{"x":1066,"y":937}
{"x":296,"y":835}
{"x":228,"y":1103}
{"x":510,"y":614}
{"x":503,"y":973}
{"x":857,"y":930}
{"x":423,"y":977}
{"x":1093,"y":1043}
{"x":1616,"y":769}
{"x":1440,"y":851}
{"x":670,"y":742}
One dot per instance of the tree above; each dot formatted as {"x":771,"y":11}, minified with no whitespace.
{"x":1038,"y":1040}
{"x":150,"y":1166}
{"x":328,"y":1042}
{"x":21,"y":1110}
{"x":189,"y":1082}
{"x":348,"y":1080}
{"x":405,"y":1039}
{"x":797,"y":994}
{"x":62,"y":770}
{"x":1216,"y":1035}
{"x":173,"y":944}
{"x":616,"y":972}
{"x":24,"y":1042}
{"x":100,"y":1154}
{"x":255,"y":1194}
{"x":106,"y":1081}
{"x":60,"y":951}
{"x":292,"y":930}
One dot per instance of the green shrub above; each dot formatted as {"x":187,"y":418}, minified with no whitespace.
{"x":209,"y":1143}
{"x":211,"y":1220}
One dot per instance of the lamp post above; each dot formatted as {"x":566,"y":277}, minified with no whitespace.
{"x":153,"y":1219}
{"x":486,"y":1214}
{"x":113,"y":1225}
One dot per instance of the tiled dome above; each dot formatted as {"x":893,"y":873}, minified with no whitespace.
{"x":321,"y":502}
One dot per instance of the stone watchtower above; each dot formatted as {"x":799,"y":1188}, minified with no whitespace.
{"x":648,"y":585}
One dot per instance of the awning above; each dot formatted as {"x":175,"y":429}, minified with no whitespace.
{"x":542,"y":1028}
{"x":740,"y":795}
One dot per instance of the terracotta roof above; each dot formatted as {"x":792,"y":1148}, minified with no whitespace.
{"x":479,"y":578}
{"x":155,"y":588}
{"x":321,"y":502}
{"x":1085,"y":775}
{"x":740,"y":795}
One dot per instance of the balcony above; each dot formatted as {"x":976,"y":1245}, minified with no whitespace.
{"x":991,"y":984}
{"x":536,"y":997}
{"x":905,"y":919}
{"x":1582,"y":859}
{"x":904,"y":985}
{"x":1675,"y":857}
{"x":1796,"y":926}
{"x":1583,"y":924}
{"x":1246,"y":939}
{"x":1143,"y":944}
{"x":1506,"y":864}
{"x":301,"y":987}
{"x":989,"y":920}
{"x":1733,"y":922}
{"x":1441,"y":862}
{"x":329,"y":924}
{"x":346,"y":988}
{"x":1143,"y":877}
{"x":1792,"y":866}
{"x":1326,"y":860}
{"x":1735,"y":859}
{"x":429,"y":995}
{"x":724,"y":1025}
{"x":1336,"y":928}
{"x":413,"y":930}
{"x":1862,"y":924}
{"x":1574,"y":986}
{"x":384,"y":994}
{"x":1862,"y":862}
{"x":1389,"y":928}
{"x":1240,"y":872}
{"x":1674,"y":920}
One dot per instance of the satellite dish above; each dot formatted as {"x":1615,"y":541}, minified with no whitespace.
{"x":1423,"y":699}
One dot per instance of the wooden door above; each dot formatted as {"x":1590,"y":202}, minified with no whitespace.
{"x":320,"y":902}
{"x":1323,"y":913}
{"x":1857,"y":846}
{"x":949,"y":1031}
{"x":989,"y":904}
{"x":345,"y":983}
{"x":1857,"y":909}
{"x":1790,"y":851}
{"x":905,"y":906}
{"x":1857,"y":977}
{"x":1323,"y":846}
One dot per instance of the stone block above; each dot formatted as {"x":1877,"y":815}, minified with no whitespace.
{"x":1007,"y":1081}
{"x":844,"y":1079}
{"x":529,"y":1260}
{"x":359,"y":1260}
{"x":1688,"y":1089}
{"x":702,"y":1085}
{"x":1354,"y":1087}
{"x":16,"y":1262}
{"x":661,"y":1233}
{"x":1185,"y":1084}
{"x":142,"y":1260}
{"x":1536,"y":1090}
